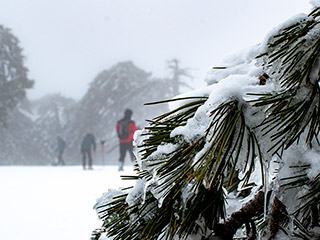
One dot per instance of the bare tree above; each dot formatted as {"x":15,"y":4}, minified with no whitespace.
{"x":177,"y":75}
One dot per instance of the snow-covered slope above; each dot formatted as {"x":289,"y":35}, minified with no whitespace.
{"x":53,"y":202}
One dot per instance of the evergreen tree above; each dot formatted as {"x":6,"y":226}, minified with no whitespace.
{"x":51,"y":115}
{"x":13,"y":74}
{"x":22,"y":139}
{"x":250,"y":138}
{"x":33,"y":127}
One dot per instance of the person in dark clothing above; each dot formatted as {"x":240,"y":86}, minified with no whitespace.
{"x":61,"y":145}
{"x":125,"y":129}
{"x":88,"y":144}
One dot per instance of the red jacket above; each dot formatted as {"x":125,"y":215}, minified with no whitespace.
{"x":132,"y":128}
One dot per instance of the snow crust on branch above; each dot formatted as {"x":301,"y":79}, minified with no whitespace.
{"x":236,"y":78}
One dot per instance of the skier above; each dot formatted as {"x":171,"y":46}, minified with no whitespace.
{"x":125,"y":129}
{"x":61,"y":145}
{"x":88,"y":144}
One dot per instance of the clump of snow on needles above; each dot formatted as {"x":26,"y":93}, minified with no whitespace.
{"x":239,"y":62}
{"x":138,"y":191}
{"x":297,"y":18}
{"x":239,"y":76}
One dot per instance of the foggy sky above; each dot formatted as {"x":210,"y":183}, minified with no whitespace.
{"x":68,"y":42}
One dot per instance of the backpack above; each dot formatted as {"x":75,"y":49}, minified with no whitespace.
{"x":123,"y":130}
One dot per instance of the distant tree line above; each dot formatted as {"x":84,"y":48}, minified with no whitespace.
{"x":30,"y":128}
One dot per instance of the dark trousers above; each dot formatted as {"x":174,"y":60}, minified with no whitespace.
{"x":86,"y":154}
{"x":124,"y":147}
{"x":60,"y":159}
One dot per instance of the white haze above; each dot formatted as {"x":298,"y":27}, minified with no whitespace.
{"x":67,"y":43}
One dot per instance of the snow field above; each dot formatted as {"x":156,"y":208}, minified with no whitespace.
{"x":53,"y":203}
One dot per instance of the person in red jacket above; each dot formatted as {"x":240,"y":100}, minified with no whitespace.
{"x":125,"y":129}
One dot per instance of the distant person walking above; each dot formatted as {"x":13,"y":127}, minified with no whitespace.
{"x":88,"y":144}
{"x":61,"y":145}
{"x":125,"y":129}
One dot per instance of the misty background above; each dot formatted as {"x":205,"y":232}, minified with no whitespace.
{"x":90,"y":60}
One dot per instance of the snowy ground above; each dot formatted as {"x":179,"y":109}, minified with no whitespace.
{"x":53,"y":203}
